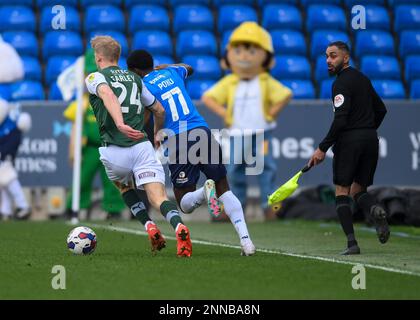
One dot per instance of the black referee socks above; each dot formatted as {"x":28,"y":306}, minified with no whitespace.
{"x":343,"y":207}
{"x":365,"y":201}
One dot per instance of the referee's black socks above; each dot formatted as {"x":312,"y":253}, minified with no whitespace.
{"x":343,"y":207}
{"x":365,"y":201}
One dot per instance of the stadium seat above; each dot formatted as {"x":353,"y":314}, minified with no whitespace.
{"x":281,"y":16}
{"x":27,"y":90}
{"x":351,"y":3}
{"x":230,"y":16}
{"x":374,"y":42}
{"x":175,"y":3}
{"x":122,"y":62}
{"x":325,"y":90}
{"x":86,"y":3}
{"x":32,"y":68}
{"x":225,"y":39}
{"x":148,"y":17}
{"x":54,"y":92}
{"x":24,"y":42}
{"x":380,"y":67}
{"x":409,"y":43}
{"x":5,"y":91}
{"x":414,"y":89}
{"x":72,"y":21}
{"x":389,"y":89}
{"x":407,"y":17}
{"x":412,"y":68}
{"x":322,"y":38}
{"x":189,"y":17}
{"x":56,"y":65}
{"x":129,"y":3}
{"x":43,"y":3}
{"x":291,"y":67}
{"x":120,"y":37}
{"x":205,"y":67}
{"x":104,"y":17}
{"x":377,"y":18}
{"x":262,"y":3}
{"x":62,"y":43}
{"x":28,"y":3}
{"x":157,"y":42}
{"x":288,"y":42}
{"x":16,"y":18}
{"x":160,"y":59}
{"x":196,"y":88}
{"x":394,"y":3}
{"x":196,"y":43}
{"x":321,"y":68}
{"x":325,"y":17}
{"x":302,"y":89}
{"x":306,"y":3}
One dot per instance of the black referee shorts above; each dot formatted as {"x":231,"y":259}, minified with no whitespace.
{"x":355,"y":160}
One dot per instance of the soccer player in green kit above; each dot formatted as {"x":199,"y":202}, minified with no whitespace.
{"x":118,"y":98}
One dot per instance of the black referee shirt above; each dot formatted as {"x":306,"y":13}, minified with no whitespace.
{"x":356,"y":106}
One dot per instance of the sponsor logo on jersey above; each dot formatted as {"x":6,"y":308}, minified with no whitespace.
{"x":147,"y":174}
{"x":91,"y":78}
{"x":181,"y":178}
{"x":338,"y":100}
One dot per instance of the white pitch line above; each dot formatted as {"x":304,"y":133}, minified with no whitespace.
{"x":290,"y":254}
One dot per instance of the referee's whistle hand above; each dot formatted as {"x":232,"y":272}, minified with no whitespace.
{"x":316,"y":158}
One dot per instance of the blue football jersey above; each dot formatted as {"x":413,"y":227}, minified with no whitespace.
{"x":168,"y":86}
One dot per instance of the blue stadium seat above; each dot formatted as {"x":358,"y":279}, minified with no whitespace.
{"x":196,"y":43}
{"x":205,"y":67}
{"x":86,"y":3}
{"x":302,"y":89}
{"x":160,"y":59}
{"x":28,"y":3}
{"x":196,"y":88}
{"x":56,"y":65}
{"x":394,"y":3}
{"x":16,"y":18}
{"x":5,"y":91}
{"x":307,"y":3}
{"x":262,"y":3}
{"x":225,"y":39}
{"x":24,"y":42}
{"x":189,"y":17}
{"x":27,"y":90}
{"x":380,"y":67}
{"x":129,"y":3}
{"x":62,"y":43}
{"x":412,"y":68}
{"x":104,"y":17}
{"x":325,"y":17}
{"x":409,"y":43}
{"x":175,"y":3}
{"x":54,"y":92}
{"x":414,"y":89}
{"x":122,"y":62}
{"x":389,"y":89}
{"x":321,"y":68}
{"x":377,"y":17}
{"x":72,"y":19}
{"x":325,"y":89}
{"x":32,"y":68}
{"x":374,"y":42}
{"x":120,"y":37}
{"x":351,"y":3}
{"x":288,"y":42}
{"x":322,"y":38}
{"x":281,"y":16}
{"x":219,"y":3}
{"x":291,"y":67}
{"x":148,"y":17}
{"x":407,"y":17}
{"x":157,"y":42}
{"x":230,"y":16}
{"x":43,"y":3}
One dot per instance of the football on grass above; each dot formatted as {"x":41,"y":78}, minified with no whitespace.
{"x":81,"y":240}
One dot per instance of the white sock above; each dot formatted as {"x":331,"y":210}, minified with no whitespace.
{"x":192,"y":200}
{"x":15,"y":189}
{"x":6,"y":203}
{"x":233,"y":209}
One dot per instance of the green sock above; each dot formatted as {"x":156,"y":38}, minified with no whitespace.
{"x":136,"y":206}
{"x":170,"y":211}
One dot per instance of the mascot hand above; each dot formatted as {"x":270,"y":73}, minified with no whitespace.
{"x":24,"y":122}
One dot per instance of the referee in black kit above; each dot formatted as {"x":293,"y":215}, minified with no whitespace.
{"x":358,"y":113}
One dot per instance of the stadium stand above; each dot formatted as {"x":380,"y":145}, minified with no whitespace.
{"x":197,"y":87}
{"x":173,"y":30}
{"x":27,"y":90}
{"x":56,"y":65}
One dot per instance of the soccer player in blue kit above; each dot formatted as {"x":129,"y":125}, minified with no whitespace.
{"x":183,"y":123}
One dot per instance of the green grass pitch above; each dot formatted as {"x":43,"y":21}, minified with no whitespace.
{"x":296,"y":260}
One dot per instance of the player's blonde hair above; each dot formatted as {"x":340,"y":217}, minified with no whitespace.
{"x":107,"y":47}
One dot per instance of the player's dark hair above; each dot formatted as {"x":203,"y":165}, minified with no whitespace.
{"x":140,"y":59}
{"x":340,"y":45}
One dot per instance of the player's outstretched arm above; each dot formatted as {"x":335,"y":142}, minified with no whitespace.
{"x":114,"y":108}
{"x":190,"y":69}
